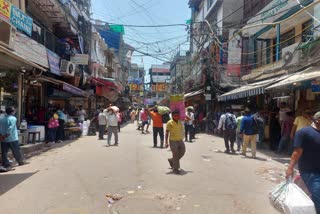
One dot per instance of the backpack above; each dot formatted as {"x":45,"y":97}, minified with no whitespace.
{"x":230,"y":123}
{"x":165,"y":118}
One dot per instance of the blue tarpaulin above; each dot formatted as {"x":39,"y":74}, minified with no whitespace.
{"x":111,"y":38}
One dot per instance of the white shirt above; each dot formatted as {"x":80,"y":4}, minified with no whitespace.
{"x":112,"y":119}
{"x":222,"y":120}
{"x":102,"y":119}
{"x":191,"y":116}
{"x":81,"y":114}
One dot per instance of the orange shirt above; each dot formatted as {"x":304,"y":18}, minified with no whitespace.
{"x":157,"y":119}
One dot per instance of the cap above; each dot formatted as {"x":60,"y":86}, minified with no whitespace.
{"x":316,"y":116}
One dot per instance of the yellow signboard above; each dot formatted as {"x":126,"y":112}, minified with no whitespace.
{"x":5,"y":8}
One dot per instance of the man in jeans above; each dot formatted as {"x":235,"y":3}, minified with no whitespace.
{"x":228,"y":124}
{"x":10,"y":139}
{"x":306,"y":152}
{"x":249,"y":130}
{"x":157,"y":126}
{"x":102,"y":120}
{"x":112,"y":121}
{"x":174,"y":129}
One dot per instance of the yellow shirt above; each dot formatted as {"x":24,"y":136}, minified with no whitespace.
{"x":301,"y":122}
{"x":175,"y":129}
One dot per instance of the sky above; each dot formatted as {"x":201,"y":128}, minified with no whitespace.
{"x":161,"y":42}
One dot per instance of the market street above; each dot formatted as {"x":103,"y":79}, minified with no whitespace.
{"x":76,"y":177}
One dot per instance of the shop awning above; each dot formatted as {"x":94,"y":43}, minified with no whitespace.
{"x":65,"y":86}
{"x":248,"y":90}
{"x":305,"y":75}
{"x":10,"y":59}
{"x":194,"y":93}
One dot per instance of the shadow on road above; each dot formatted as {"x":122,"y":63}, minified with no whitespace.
{"x":9,"y":181}
{"x":182,"y":172}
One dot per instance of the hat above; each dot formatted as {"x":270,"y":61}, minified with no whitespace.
{"x":316,"y":116}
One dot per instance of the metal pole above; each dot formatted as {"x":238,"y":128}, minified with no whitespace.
{"x":278,"y":43}
{"x":20,"y":91}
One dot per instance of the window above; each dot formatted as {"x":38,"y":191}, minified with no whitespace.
{"x":286,"y":40}
{"x":307,"y":32}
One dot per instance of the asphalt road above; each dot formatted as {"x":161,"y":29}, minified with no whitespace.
{"x":76,"y":177}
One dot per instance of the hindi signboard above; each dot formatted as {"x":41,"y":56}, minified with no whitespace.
{"x":5,"y":9}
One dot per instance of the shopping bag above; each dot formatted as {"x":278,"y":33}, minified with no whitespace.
{"x":288,"y":198}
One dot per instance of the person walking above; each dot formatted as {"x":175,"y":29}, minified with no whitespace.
{"x":174,"y":133}
{"x":60,"y":129}
{"x":157,"y":127}
{"x":188,"y":125}
{"x":53,"y":125}
{"x":133,"y":115}
{"x":144,"y":118}
{"x":228,"y":125}
{"x":9,"y":138}
{"x":102,"y":121}
{"x":112,"y":121}
{"x":306,"y":154}
{"x":249,"y":130}
{"x":239,"y":138}
{"x":285,"y":131}
{"x":301,"y":121}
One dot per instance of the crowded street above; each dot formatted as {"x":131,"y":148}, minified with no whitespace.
{"x":76,"y":177}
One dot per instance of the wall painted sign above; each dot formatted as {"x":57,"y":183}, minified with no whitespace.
{"x":21,"y":20}
{"x":5,"y":9}
{"x":31,"y":50}
{"x":54,"y":62}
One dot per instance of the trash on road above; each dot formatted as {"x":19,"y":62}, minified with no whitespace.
{"x":139,"y":187}
{"x":206,"y":160}
{"x":196,"y":205}
{"x":130,"y":192}
{"x":115,"y":197}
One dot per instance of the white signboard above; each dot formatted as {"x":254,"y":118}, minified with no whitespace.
{"x":31,"y":50}
{"x":270,"y":13}
{"x":80,"y":59}
{"x":159,"y":79}
{"x":234,"y":48}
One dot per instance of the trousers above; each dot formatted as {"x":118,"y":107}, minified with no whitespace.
{"x":15,"y":148}
{"x":178,"y":149}
{"x":113,"y":130}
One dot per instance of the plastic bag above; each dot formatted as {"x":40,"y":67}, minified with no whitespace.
{"x":288,"y":198}
{"x":163,"y":110}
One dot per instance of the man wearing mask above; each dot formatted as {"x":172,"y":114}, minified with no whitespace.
{"x":174,"y":133}
{"x":112,"y":121}
{"x":9,"y":136}
{"x":306,"y":153}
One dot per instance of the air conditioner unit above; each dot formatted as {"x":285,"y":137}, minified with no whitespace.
{"x":67,"y":68}
{"x":7,"y":35}
{"x":292,"y":56}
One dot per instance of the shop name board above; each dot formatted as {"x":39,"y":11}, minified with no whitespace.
{"x":80,"y":59}
{"x":5,"y":9}
{"x":315,"y":86}
{"x":54,"y":62}
{"x":20,"y":20}
{"x":159,"y":79}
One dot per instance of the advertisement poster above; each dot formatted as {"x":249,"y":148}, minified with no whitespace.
{"x":54,"y":62}
{"x":5,"y":8}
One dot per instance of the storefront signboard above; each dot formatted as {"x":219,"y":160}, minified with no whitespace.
{"x":80,"y":59}
{"x":54,"y":62}
{"x":73,"y":90}
{"x":315,"y":86}
{"x":21,"y":20}
{"x":31,"y":50}
{"x":5,"y":9}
